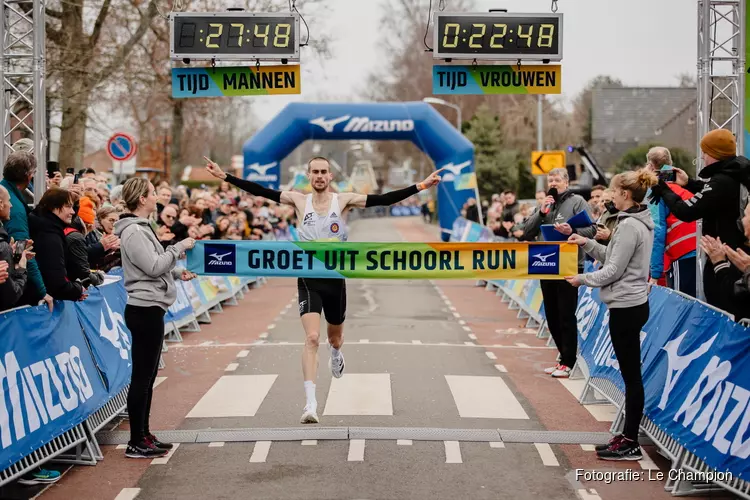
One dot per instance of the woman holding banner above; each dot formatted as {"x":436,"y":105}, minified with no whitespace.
{"x":149,"y":273}
{"x":623,"y":279}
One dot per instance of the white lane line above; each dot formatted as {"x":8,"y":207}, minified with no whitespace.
{"x":467,"y":329}
{"x":364,"y":341}
{"x":472,"y":336}
{"x":451,"y":307}
{"x":221,"y":399}
{"x":490,"y":355}
{"x":360,"y":394}
{"x":206,"y":343}
{"x":121,"y":446}
{"x":452,"y":452}
{"x":158,"y":381}
{"x":646,"y":463}
{"x":271,"y":326}
{"x":548,"y":456}
{"x":461,"y":322}
{"x":263,"y":335}
{"x":588,"y":447}
{"x":484,"y":397}
{"x":243,"y":354}
{"x":356,"y":450}
{"x":455,"y":314}
{"x":216,"y":444}
{"x":163,"y":460}
{"x":128,"y":494}
{"x":284,"y":343}
{"x":416,"y":342}
{"x":469,"y":343}
{"x":497,"y":444}
{"x":309,"y":442}
{"x":521,"y":344}
{"x":403,"y":442}
{"x":260,"y":452}
{"x":231,"y":367}
{"x":501,"y":368}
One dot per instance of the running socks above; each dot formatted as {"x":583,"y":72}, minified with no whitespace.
{"x":310,"y":393}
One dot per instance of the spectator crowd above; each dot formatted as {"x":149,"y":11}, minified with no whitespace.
{"x":66,"y":243}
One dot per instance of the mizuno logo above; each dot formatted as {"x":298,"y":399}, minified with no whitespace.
{"x":328,"y":125}
{"x":456,"y":169}
{"x":363,"y":124}
{"x":544,"y":258}
{"x":262,"y":169}
{"x":219,"y":257}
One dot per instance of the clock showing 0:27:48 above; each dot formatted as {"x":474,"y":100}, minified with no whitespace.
{"x":498,"y":36}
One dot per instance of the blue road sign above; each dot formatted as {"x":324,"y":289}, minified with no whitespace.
{"x":121,"y":147}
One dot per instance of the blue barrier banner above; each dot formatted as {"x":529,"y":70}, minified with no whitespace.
{"x":103,"y":322}
{"x":698,"y":386}
{"x":695,"y":364}
{"x":49,"y":381}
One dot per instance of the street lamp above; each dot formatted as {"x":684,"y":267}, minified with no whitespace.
{"x":435,"y":100}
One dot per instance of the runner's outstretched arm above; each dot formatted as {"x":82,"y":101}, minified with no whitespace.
{"x":386,"y":199}
{"x":255,"y":189}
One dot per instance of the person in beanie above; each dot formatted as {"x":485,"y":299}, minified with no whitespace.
{"x":717,"y":202}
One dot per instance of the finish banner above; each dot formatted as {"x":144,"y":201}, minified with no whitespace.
{"x":384,"y":260}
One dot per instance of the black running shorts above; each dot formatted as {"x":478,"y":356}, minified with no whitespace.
{"x":317,"y":295}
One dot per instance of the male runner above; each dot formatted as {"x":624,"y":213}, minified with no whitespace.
{"x":320,"y":217}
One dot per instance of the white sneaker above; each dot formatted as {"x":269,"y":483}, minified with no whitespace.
{"x":562,"y":372}
{"x":552,"y":369}
{"x":310,"y":415}
{"x":337,"y":365}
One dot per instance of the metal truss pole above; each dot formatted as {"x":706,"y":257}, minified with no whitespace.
{"x":721,"y":82}
{"x":22,"y":66}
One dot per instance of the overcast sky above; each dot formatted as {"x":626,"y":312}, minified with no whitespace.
{"x":641,"y":42}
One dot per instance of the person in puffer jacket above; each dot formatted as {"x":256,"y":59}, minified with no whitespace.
{"x":623,"y":279}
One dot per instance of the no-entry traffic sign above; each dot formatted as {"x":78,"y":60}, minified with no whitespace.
{"x":121,"y":147}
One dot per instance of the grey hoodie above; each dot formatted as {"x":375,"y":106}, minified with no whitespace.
{"x":149,"y":270}
{"x":623,"y":277}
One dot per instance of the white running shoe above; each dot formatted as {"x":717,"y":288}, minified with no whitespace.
{"x":337,"y":365}
{"x":562,"y":372}
{"x":310,"y":415}
{"x":552,"y":369}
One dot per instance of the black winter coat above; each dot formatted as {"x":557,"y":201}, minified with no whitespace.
{"x":47,"y":231}
{"x":11,"y":290}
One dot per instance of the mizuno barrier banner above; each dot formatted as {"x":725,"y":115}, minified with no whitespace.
{"x":49,"y":381}
{"x":695,"y":373}
{"x":385,"y":260}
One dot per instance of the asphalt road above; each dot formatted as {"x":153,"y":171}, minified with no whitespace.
{"x":411,"y":372}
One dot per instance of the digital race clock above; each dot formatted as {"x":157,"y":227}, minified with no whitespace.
{"x":234,"y":35}
{"x":498,"y":36}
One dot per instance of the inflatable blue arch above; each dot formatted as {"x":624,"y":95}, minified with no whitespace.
{"x":417,"y":122}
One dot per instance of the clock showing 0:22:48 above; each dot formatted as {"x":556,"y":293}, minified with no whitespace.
{"x":498,"y":36}
{"x":234,"y":35}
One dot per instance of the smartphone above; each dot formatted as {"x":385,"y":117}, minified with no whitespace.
{"x":667,"y":175}
{"x":20,"y":247}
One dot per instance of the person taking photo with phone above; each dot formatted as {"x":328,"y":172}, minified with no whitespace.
{"x":149,"y":272}
{"x":623,"y":279}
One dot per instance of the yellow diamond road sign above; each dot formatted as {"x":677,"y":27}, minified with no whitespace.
{"x":543,"y":162}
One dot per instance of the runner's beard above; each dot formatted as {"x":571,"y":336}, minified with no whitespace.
{"x":320,"y":190}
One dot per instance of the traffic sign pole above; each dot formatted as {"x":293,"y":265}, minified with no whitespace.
{"x":539,"y":139}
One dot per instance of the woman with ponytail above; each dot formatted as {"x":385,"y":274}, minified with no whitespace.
{"x":623,"y":279}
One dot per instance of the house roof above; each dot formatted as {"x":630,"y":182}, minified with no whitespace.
{"x":635,"y":113}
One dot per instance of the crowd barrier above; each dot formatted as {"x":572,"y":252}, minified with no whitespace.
{"x":696,"y":380}
{"x":66,"y":373}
